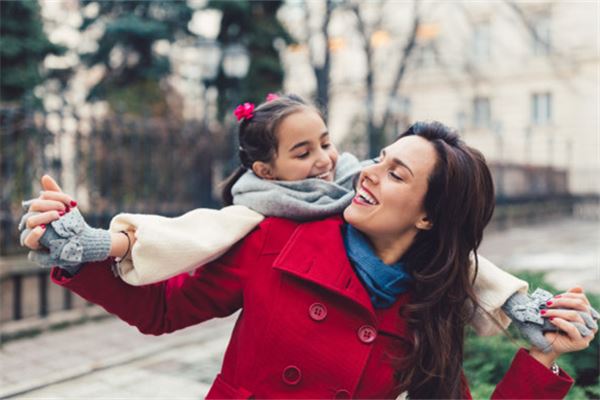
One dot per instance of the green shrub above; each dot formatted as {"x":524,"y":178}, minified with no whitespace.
{"x":488,"y":358}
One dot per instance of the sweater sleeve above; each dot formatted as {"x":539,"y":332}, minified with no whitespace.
{"x":493,"y":287}
{"x":213,"y":290}
{"x":166,"y":247}
{"x":529,"y":379}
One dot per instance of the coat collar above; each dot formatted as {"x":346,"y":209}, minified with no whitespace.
{"x":316,"y":252}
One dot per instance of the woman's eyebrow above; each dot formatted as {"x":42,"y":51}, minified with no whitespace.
{"x":399,"y":162}
{"x":306,"y":142}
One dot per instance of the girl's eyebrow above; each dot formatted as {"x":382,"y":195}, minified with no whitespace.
{"x":398,"y":162}
{"x":306,"y":142}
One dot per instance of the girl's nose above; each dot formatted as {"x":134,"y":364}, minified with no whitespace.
{"x":323,"y":159}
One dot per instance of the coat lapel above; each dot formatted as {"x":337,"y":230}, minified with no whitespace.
{"x":315,"y":252}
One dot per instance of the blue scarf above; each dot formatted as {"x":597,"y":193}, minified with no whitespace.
{"x":383,"y":282}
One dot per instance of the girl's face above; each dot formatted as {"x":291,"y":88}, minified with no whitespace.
{"x":389,"y":202}
{"x":304,"y":150}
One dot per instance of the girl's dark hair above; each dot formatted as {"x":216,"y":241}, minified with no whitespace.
{"x":459,"y":203}
{"x":258,"y":138}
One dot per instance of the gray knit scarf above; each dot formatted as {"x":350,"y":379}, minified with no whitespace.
{"x":303,"y":200}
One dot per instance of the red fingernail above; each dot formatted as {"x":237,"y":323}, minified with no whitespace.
{"x":43,"y":226}
{"x":551,"y":318}
{"x":73,"y":203}
{"x":543,"y":312}
{"x":68,"y":209}
{"x":61,"y":213}
{"x":548,"y":303}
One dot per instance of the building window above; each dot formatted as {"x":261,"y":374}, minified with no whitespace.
{"x":481,"y":41}
{"x":482,"y":113}
{"x":542,"y":38}
{"x":541,"y":108}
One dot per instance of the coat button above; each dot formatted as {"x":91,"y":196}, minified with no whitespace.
{"x":367,"y":333}
{"x":342,"y":394}
{"x":291,"y":375}
{"x":317,"y":311}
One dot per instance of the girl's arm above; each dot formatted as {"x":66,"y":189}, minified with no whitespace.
{"x":493,"y":287}
{"x":164,"y":247}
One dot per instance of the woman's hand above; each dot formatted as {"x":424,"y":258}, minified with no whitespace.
{"x":569,"y":339}
{"x":52,"y":204}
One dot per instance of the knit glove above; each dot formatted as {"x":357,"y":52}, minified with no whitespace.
{"x":524,"y":311}
{"x":70,"y":242}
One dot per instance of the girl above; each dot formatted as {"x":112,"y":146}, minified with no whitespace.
{"x":316,"y":322}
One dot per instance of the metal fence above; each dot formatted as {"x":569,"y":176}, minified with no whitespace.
{"x":118,"y":164}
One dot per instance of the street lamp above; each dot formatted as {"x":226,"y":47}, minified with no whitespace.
{"x":209,"y":58}
{"x":236,"y":62}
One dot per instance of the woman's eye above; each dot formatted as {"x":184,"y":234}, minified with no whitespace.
{"x":395,"y":177}
{"x":326,"y":145}
{"x":303,"y":155}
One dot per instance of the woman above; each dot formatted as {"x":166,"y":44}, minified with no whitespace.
{"x":369,"y":308}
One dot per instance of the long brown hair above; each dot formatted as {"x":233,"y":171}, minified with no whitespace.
{"x":258,"y":136}
{"x":459,"y":202}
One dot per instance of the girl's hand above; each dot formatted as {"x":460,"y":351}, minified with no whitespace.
{"x":568,"y":339}
{"x":49,"y":206}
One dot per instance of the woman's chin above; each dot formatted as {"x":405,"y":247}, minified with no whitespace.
{"x":354,"y":216}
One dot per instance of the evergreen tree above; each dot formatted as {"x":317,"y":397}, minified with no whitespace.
{"x":23,"y":46}
{"x":130,"y":30}
{"x":253,"y":24}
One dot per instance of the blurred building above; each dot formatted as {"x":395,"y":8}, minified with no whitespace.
{"x":520,"y":82}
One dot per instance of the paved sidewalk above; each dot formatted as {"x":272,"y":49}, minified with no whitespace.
{"x":110,"y":359}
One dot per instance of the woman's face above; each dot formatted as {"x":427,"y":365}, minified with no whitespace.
{"x":304,"y":150}
{"x":389,"y":201}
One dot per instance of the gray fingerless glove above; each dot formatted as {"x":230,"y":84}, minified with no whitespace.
{"x":70,"y":242}
{"x":524,"y":311}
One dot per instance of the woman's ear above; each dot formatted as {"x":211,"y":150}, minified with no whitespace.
{"x":424,"y":223}
{"x":262,"y":170}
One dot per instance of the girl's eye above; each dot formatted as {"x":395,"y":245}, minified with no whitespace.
{"x":326,"y":146}
{"x":395,"y":177}
{"x":303,"y":155}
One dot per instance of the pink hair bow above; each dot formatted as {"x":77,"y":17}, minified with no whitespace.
{"x":244,"y":111}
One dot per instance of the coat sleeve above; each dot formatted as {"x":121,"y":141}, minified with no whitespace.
{"x":529,"y":379}
{"x":213,"y":290}
{"x":166,"y":247}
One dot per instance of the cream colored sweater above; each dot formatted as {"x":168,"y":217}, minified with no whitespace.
{"x":166,"y":247}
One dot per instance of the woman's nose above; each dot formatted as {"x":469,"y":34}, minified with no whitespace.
{"x":370,"y":173}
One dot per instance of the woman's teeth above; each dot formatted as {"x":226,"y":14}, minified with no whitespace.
{"x":322,"y":176}
{"x":366,"y":197}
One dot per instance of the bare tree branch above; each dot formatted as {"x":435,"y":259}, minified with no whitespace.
{"x":322,"y":73}
{"x":530,"y":26}
{"x":369,"y":78}
{"x":406,"y":56}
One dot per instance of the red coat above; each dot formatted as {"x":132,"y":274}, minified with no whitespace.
{"x":307,"y":329}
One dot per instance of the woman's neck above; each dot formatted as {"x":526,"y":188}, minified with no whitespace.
{"x":390,"y":251}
